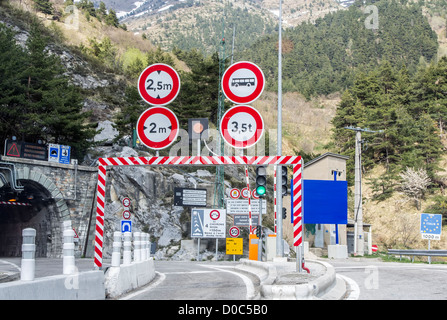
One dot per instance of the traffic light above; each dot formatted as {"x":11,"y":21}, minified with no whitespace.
{"x":261,"y":181}
{"x":258,"y":231}
{"x":284,"y":182}
{"x":284,"y":213}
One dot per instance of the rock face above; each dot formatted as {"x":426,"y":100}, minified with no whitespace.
{"x":151,"y":191}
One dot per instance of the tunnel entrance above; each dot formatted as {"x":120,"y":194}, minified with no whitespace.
{"x":33,"y":207}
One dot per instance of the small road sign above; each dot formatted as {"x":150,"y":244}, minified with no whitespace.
{"x":243,"y":82}
{"x":159,"y":84}
{"x":157,"y":127}
{"x":126,"y":202}
{"x":431,"y":225}
{"x":234,"y":246}
{"x":242,"y":126}
{"x":235,"y":193}
{"x":190,"y":197}
{"x":126,"y":226}
{"x":126,"y":214}
{"x":234,"y":232}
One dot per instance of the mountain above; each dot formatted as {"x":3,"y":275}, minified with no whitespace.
{"x":188,"y":24}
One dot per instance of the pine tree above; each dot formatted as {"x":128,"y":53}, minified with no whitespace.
{"x":53,"y":106}
{"x":44,"y":6}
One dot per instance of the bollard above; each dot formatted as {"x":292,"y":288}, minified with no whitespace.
{"x":127,"y":246}
{"x":116,"y":254}
{"x":28,"y":266}
{"x":68,"y":248}
{"x":137,"y":247}
{"x":143,"y":246}
{"x":148,"y":249}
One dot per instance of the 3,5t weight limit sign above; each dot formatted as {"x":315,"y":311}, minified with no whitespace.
{"x":242,"y":126}
{"x":159,"y":84}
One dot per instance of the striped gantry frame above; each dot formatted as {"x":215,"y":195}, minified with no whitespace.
{"x":294,"y":161}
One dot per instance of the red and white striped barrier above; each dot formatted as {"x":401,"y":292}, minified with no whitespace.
{"x":295,"y":161}
{"x":13,"y":203}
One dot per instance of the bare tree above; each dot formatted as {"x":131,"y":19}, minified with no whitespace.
{"x":414,"y":183}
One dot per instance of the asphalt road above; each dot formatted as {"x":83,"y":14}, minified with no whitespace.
{"x":186,"y":280}
{"x":371,"y":279}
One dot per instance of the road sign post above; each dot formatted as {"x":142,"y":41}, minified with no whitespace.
{"x":242,"y":126}
{"x":431,"y":226}
{"x":243,"y":82}
{"x":159,"y":84}
{"x":157,"y":127}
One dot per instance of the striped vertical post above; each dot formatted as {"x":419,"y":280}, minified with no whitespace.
{"x":100,"y":203}
{"x":274,"y":193}
{"x":297,"y":205}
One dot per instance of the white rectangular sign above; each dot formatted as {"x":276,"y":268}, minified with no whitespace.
{"x":240,"y":206}
{"x":208,"y":223}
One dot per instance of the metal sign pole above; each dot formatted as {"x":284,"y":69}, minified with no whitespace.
{"x":279,"y":241}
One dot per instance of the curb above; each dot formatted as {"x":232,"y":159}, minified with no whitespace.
{"x":326,"y":287}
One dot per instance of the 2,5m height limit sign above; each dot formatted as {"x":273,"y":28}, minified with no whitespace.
{"x":159,"y":84}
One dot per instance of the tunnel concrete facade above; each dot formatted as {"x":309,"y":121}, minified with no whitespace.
{"x":67,"y":192}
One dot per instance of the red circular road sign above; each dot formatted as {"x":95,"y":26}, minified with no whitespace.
{"x":374,"y":248}
{"x":242,"y":126}
{"x":245,"y":194}
{"x":234,"y":232}
{"x":254,"y":194}
{"x":235,"y":193}
{"x":243,"y":82}
{"x":159,"y":84}
{"x":157,"y":127}
{"x":126,"y":214}
{"x":126,"y":202}
{"x":215,"y":214}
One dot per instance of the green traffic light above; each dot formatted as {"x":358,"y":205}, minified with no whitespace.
{"x":260,"y":190}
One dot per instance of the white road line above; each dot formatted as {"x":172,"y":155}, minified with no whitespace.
{"x":149,"y":287}
{"x":12,"y":264}
{"x":251,"y":293}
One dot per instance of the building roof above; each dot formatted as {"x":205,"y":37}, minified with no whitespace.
{"x":327,"y":154}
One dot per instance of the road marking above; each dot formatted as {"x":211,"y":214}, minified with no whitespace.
{"x":12,"y":264}
{"x":149,"y":287}
{"x":251,"y":293}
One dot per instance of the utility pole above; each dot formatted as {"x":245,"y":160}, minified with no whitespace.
{"x":359,"y":241}
{"x":279,"y":228}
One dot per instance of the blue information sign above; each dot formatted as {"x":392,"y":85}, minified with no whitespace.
{"x":431,"y":226}
{"x":325,"y":201}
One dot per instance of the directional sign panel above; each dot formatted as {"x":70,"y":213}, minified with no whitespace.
{"x":243,"y":220}
{"x":242,"y":126}
{"x":190,"y":197}
{"x":157,"y":127}
{"x":431,"y":225}
{"x":159,"y":84}
{"x":243,"y":82}
{"x":208,"y":223}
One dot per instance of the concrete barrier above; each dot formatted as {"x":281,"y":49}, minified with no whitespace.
{"x":87,"y":285}
{"x":270,"y":289}
{"x":127,"y":277}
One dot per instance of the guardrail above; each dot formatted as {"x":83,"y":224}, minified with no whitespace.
{"x":416,"y":252}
